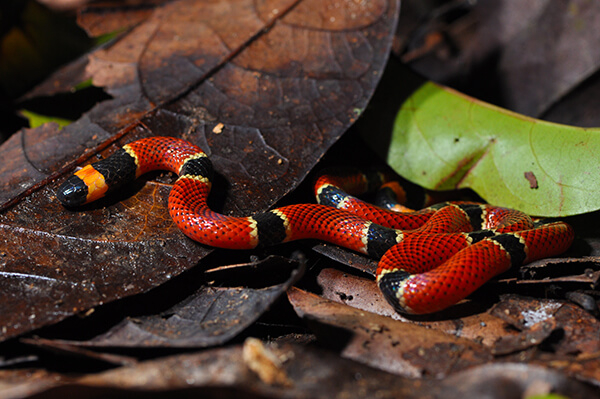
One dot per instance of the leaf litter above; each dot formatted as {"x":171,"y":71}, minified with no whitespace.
{"x":524,"y":356}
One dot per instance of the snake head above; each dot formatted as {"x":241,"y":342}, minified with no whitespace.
{"x":73,"y":192}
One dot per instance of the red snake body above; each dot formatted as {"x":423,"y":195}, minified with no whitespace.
{"x":430,"y":259}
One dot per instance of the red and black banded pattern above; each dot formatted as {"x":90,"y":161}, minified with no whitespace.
{"x":430,"y":259}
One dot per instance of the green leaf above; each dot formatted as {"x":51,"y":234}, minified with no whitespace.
{"x":86,"y":84}
{"x":36,"y":120}
{"x":445,"y":140}
{"x":548,"y":396}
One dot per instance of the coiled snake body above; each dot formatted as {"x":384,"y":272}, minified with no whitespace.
{"x":430,"y":259}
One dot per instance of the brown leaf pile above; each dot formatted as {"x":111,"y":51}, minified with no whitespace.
{"x":112,"y":300}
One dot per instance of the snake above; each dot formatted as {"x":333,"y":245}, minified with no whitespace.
{"x":429,"y":259}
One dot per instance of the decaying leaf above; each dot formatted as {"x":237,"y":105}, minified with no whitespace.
{"x":390,"y":345}
{"x":211,"y":316}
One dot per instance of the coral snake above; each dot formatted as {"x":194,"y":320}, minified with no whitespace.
{"x":429,"y":259}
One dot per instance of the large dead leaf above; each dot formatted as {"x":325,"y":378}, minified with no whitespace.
{"x":390,"y":345}
{"x":263,"y":87}
{"x":211,"y":316}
